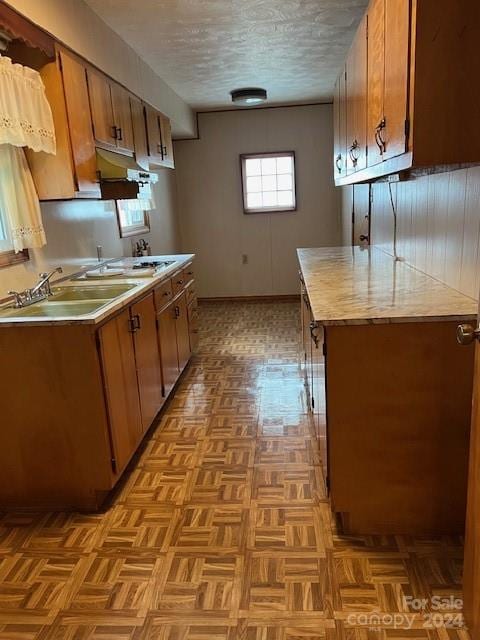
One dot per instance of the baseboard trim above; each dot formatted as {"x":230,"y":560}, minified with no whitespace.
{"x":285,"y":298}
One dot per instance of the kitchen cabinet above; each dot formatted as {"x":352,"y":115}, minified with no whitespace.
{"x":340,"y":126}
{"x":167,"y":337}
{"x":193,"y":328}
{"x":72,"y":172}
{"x":139,"y":133}
{"x":356,"y":108}
{"x":147,"y":358}
{"x":110,"y":111}
{"x":94,"y":391}
{"x":159,"y":135}
{"x":121,"y":388}
{"x":418,"y":72}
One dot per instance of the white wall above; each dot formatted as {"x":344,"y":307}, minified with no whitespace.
{"x":76,"y":25}
{"x":75,"y":228}
{"x":213,"y":224}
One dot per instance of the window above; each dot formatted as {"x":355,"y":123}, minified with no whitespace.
{"x":132,"y":217}
{"x":268,"y":181}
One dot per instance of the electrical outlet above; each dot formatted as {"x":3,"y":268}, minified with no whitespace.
{"x":244,"y":258}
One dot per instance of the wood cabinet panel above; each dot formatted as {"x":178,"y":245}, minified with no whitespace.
{"x":167,"y":143}
{"x":167,"y":336}
{"x":122,"y":118}
{"x":356,"y":90}
{"x":139,"y":132}
{"x":154,"y":138}
{"x":79,"y":123}
{"x":121,"y":387}
{"x":188,"y":273}
{"x":376,"y":80}
{"x":163,"y":294}
{"x":178,"y":282}
{"x":182,"y":329}
{"x":397,"y":39}
{"x":147,"y":358}
{"x":101,"y":108}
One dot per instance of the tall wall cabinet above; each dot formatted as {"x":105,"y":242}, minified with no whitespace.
{"x":406,"y":98}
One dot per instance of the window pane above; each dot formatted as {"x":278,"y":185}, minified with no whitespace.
{"x":254,"y":201}
{"x":270,"y":199}
{"x":269,"y":183}
{"x":285,"y":198}
{"x":284,"y":182}
{"x":284,"y":165}
{"x":253,"y":167}
{"x":269,"y":167}
{"x":254,"y":185}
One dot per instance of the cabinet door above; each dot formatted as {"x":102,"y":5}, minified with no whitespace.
{"x":101,"y":109}
{"x":147,"y":359}
{"x":376,"y":81}
{"x":397,"y":30}
{"x":167,"y":143}
{"x":356,"y":96}
{"x":153,"y":135}
{"x":167,"y":336}
{"x":139,"y":133}
{"x":183,"y":334}
{"x":121,"y":387}
{"x":122,"y":118}
{"x":79,"y":123}
{"x":193,"y":324}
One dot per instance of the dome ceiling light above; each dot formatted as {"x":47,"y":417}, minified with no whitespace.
{"x":248,"y":97}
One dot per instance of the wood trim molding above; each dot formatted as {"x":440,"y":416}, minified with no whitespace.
{"x":10,"y":258}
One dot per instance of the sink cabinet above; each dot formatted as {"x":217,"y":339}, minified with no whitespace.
{"x":81,"y":397}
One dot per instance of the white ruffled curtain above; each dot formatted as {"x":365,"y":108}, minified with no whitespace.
{"x":25,"y":121}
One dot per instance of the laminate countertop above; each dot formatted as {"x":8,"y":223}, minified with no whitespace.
{"x":353,"y":285}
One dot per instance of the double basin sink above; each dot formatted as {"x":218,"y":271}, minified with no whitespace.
{"x":71,"y":301}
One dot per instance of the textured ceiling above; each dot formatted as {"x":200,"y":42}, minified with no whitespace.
{"x":205,"y":48}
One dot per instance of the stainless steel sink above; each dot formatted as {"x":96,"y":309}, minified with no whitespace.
{"x":93,"y":292}
{"x":54,"y":309}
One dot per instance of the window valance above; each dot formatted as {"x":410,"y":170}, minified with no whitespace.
{"x":25,"y":115}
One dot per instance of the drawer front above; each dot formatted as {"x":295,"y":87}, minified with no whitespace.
{"x":188,"y":273}
{"x":163,"y":294}
{"x":178,"y":282}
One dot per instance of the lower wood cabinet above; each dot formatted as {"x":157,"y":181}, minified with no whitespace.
{"x":82,"y":396}
{"x":147,"y":358}
{"x":121,"y":388}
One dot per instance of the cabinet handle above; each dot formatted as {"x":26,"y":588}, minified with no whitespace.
{"x":381,"y":144}
{"x":119,"y":133}
{"x":164,"y":151}
{"x":114,"y":132}
{"x":313,"y":328}
{"x":159,"y":148}
{"x":337,"y":160}
{"x":354,"y":147}
{"x":135,"y":323}
{"x":177,"y":312}
{"x":132,"y":326}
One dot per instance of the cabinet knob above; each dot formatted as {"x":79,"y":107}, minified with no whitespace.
{"x":337,"y":160}
{"x":381,"y":144}
{"x":466,"y":334}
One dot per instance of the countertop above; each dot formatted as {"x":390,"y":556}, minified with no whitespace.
{"x":352,"y":285}
{"x":143,"y":285}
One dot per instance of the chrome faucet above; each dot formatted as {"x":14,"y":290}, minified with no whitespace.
{"x":40,"y":291}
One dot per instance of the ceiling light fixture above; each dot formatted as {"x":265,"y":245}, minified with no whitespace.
{"x":248,"y":97}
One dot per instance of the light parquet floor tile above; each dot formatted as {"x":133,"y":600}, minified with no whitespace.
{"x":222,"y":530}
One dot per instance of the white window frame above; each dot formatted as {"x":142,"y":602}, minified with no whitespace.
{"x":266,"y":209}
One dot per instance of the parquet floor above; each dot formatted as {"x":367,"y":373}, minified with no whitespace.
{"x":222,"y":529}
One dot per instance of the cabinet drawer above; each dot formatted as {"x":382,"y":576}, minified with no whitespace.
{"x":163,"y":294}
{"x":178,"y":282}
{"x":188,"y":273}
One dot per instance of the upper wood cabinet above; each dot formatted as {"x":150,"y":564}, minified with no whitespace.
{"x":72,"y":172}
{"x":111,"y":114}
{"x":340,"y":127}
{"x":159,"y":137}
{"x":139,"y":132}
{"x":356,"y":108}
{"x":410,"y":77}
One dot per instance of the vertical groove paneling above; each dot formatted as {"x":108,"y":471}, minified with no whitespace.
{"x":438,"y":225}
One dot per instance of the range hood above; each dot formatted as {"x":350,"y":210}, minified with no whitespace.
{"x":121,"y":178}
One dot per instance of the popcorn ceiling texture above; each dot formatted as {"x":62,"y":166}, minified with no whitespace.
{"x":205,"y":48}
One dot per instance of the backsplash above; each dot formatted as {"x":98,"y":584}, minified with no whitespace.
{"x":75,"y":228}
{"x":438,"y":225}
